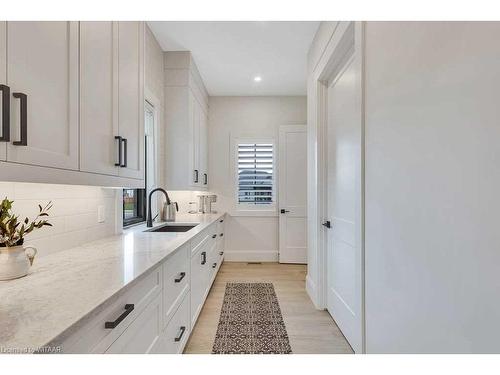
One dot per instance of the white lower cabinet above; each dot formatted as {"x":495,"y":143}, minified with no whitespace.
{"x":142,"y":336}
{"x":157,"y":313}
{"x":200,"y":269}
{"x":178,"y":329}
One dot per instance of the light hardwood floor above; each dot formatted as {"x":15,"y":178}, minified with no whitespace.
{"x":309,"y":330}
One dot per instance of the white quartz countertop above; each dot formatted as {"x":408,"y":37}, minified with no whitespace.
{"x":63,"y":289}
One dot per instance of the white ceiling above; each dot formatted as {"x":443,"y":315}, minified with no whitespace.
{"x":230,"y":54}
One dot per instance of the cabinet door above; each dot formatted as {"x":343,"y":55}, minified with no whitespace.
{"x":195,"y":143}
{"x":204,"y":147}
{"x":131,"y":96}
{"x":42,"y":62}
{"x":99,"y":97}
{"x":3,"y":81}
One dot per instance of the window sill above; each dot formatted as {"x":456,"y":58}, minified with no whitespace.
{"x":254,"y":213}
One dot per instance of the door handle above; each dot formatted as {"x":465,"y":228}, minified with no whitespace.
{"x":125,"y":152}
{"x":179,"y":279}
{"x":327,"y":224}
{"x":206,"y":179}
{"x":203,"y":257}
{"x":119,"y":164}
{"x":283,"y":211}
{"x":5,"y":113}
{"x":181,"y":333}
{"x":196,"y":175}
{"x":129,"y":307}
{"x":24,"y":118}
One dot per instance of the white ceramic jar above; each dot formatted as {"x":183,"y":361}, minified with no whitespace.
{"x":16,"y":261}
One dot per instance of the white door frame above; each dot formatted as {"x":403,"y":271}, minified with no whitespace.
{"x":350,"y":36}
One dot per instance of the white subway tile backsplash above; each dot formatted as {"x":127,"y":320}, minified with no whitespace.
{"x":73,"y":215}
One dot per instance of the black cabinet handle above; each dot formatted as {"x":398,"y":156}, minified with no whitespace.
{"x":214,"y":265}
{"x":5,"y":113}
{"x":206,"y":178}
{"x":129,"y":307}
{"x":222,"y":234}
{"x":221,"y":221}
{"x":221,"y":253}
{"x":179,"y":279}
{"x":119,"y":164}
{"x":203,"y":257}
{"x":214,"y":235}
{"x":181,"y":333}
{"x":196,"y":175}
{"x":125,"y":152}
{"x":283,"y":211}
{"x":24,"y":118}
{"x":327,"y":224}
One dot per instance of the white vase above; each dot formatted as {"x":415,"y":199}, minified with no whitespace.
{"x":15,"y":261}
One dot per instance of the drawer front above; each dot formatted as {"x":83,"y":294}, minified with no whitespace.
{"x":93,"y":337}
{"x":142,"y":336}
{"x":178,"y":329}
{"x":176,"y":276}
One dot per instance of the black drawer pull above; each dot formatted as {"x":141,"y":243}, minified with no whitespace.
{"x":196,"y":175}
{"x":214,"y":235}
{"x":203,"y":257}
{"x":181,"y":333}
{"x":221,"y":221}
{"x":221,"y":253}
{"x":179,"y":279}
{"x":5,"y":113}
{"x":24,"y":118}
{"x":222,"y":234}
{"x":129,"y":307}
{"x":214,"y":265}
{"x":119,"y":139}
{"x":206,"y":178}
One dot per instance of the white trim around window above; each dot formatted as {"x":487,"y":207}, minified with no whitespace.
{"x":253,"y":209}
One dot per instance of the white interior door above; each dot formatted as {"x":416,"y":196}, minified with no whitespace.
{"x":344,"y":204}
{"x":293,"y":194}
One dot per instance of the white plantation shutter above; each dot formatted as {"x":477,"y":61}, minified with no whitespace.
{"x":255,"y":173}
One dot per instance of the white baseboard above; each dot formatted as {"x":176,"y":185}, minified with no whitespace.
{"x":250,"y":256}
{"x":312,"y":291}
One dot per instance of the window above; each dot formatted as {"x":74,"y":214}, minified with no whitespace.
{"x":134,"y":200}
{"x":134,"y":206}
{"x":255,"y":173}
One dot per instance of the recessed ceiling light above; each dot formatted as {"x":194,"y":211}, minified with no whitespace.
{"x":257,"y":78}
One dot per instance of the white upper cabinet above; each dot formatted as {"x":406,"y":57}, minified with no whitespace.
{"x":186,"y":108}
{"x":131,"y":97}
{"x":42,"y":73}
{"x":112,"y":98}
{"x":99,"y":97}
{"x":74,"y":95}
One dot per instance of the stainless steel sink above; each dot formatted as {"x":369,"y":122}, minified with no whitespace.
{"x":172,"y":228}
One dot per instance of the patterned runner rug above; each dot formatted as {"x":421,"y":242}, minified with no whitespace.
{"x":250,"y":321}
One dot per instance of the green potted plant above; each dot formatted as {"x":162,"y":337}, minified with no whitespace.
{"x":15,"y":260}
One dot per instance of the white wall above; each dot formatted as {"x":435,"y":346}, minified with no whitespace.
{"x":73,"y":215}
{"x":431,"y":185}
{"x":249,"y":238}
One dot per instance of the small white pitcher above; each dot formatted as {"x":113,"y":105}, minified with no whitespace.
{"x":15,"y":261}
